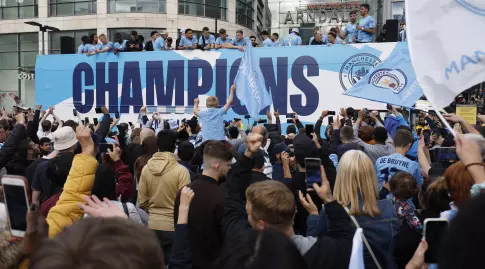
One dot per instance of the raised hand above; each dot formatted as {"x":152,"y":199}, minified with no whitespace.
{"x":83,"y":135}
{"x":324,"y":191}
{"x":95,"y":208}
{"x":253,"y":144}
{"x":115,"y":154}
{"x":307,"y":203}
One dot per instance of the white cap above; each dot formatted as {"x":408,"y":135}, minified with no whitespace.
{"x":295,"y":30}
{"x":182,"y":31}
{"x":64,"y":138}
{"x":163,"y":32}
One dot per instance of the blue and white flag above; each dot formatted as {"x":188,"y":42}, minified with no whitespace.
{"x":393,"y":81}
{"x":445,"y":66}
{"x":357,"y":256}
{"x":250,"y":86}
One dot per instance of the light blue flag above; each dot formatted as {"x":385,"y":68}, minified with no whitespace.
{"x":393,"y":81}
{"x":250,"y":86}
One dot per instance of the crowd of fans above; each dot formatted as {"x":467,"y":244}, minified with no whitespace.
{"x":354,"y":32}
{"x":213,"y":194}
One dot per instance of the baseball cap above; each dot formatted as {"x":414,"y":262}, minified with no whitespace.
{"x":64,"y":138}
{"x":278,"y":149}
{"x":182,"y":31}
{"x":295,"y":30}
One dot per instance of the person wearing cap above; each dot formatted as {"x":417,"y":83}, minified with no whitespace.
{"x":223,"y":40}
{"x":206,"y":40}
{"x":149,"y":44}
{"x":293,"y":39}
{"x":182,"y":34}
{"x":189,"y":41}
{"x":65,"y":142}
{"x":266,"y":40}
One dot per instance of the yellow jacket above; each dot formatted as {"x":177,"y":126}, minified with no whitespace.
{"x":78,"y":184}
{"x":160,"y":180}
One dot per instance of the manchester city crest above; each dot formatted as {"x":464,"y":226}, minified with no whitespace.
{"x":355,"y":68}
{"x":390,"y":79}
{"x":474,"y":6}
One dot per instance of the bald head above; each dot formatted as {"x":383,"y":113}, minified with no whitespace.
{"x":146,"y":132}
{"x":260,"y":129}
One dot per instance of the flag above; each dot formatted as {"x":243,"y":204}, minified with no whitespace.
{"x":250,"y":86}
{"x":393,"y":81}
{"x":357,"y":255}
{"x":445,"y":65}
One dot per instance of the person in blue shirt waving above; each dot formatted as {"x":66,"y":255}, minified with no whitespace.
{"x":189,"y":41}
{"x":206,"y":40}
{"x":350,"y":29}
{"x":239,"y":42}
{"x":389,"y":165}
{"x":223,"y":40}
{"x":266,"y":40}
{"x":84,"y":40}
{"x":293,"y":39}
{"x":105,"y":45}
{"x":367,"y":25}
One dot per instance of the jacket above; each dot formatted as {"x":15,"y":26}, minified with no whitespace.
{"x":125,"y":185}
{"x":78,"y":184}
{"x":374,"y":151}
{"x":161,"y":179}
{"x":381,"y":232}
{"x":204,"y":222}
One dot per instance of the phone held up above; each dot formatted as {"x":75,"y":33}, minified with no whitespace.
{"x":309,"y":130}
{"x":312,"y":171}
{"x":17,"y":202}
{"x":103,"y":147}
{"x":433,"y":232}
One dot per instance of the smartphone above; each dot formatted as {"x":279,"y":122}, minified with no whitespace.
{"x":312,"y":171}
{"x":444,"y":154}
{"x":434,"y":230}
{"x":117,"y":114}
{"x":366,"y":111}
{"x":17,"y":202}
{"x":130,"y":123}
{"x":86,"y":120}
{"x":331,"y":113}
{"x":98,"y":110}
{"x":95,"y":121}
{"x":309,"y":130}
{"x":418,"y":132}
{"x":74,"y":112}
{"x":103,"y":147}
{"x":289,"y":121}
{"x":330,"y":120}
{"x":247,"y":117}
{"x":262,"y":121}
{"x":290,"y":115}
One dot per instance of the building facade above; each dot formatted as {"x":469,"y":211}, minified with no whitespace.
{"x":20,"y":43}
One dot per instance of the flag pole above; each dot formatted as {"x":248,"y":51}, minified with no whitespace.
{"x":438,"y":113}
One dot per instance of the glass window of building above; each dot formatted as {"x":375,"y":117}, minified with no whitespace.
{"x":15,"y":9}
{"x":204,"y":8}
{"x":55,"y":39}
{"x":71,"y":7}
{"x":398,"y":11}
{"x":245,"y":13}
{"x":148,"y":6}
{"x":18,"y":53}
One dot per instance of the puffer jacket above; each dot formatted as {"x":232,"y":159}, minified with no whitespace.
{"x":160,"y":180}
{"x":78,"y":184}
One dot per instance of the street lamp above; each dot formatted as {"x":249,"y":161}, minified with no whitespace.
{"x":43,"y":29}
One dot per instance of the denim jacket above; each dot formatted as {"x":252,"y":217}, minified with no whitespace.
{"x":381,"y":232}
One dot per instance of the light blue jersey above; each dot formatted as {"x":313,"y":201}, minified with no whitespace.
{"x":103,"y":46}
{"x":351,"y":31}
{"x":90,"y":48}
{"x":203,"y":41}
{"x":241,"y":43}
{"x":267,"y":43}
{"x":292,"y":40}
{"x":121,"y":46}
{"x":219,"y":40}
{"x":368,"y":23}
{"x":277,"y":43}
{"x":387,"y":166}
{"x":188,"y":42}
{"x":324,"y":39}
{"x":80,"y":49}
{"x":159,"y":44}
{"x":212,"y":123}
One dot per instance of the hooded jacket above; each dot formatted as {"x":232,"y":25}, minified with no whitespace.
{"x":160,"y":180}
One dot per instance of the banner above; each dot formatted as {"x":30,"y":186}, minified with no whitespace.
{"x":392,"y":82}
{"x":445,"y":68}
{"x":305,"y":80}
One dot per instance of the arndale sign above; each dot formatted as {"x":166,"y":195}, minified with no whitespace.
{"x":324,"y":12}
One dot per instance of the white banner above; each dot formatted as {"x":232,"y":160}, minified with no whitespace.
{"x":447,"y":46}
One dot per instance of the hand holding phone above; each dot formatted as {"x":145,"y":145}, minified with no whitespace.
{"x":434,"y":230}
{"x":17,"y":202}
{"x":309,"y":130}
{"x":103,"y":147}
{"x":312,"y":171}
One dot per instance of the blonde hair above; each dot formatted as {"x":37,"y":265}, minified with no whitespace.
{"x":356,"y":178}
{"x":212,"y":101}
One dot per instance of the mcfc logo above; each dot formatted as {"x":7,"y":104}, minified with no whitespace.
{"x":389,"y":79}
{"x":474,"y":6}
{"x":355,"y":68}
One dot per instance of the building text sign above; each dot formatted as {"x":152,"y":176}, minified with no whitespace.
{"x":320,"y":13}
